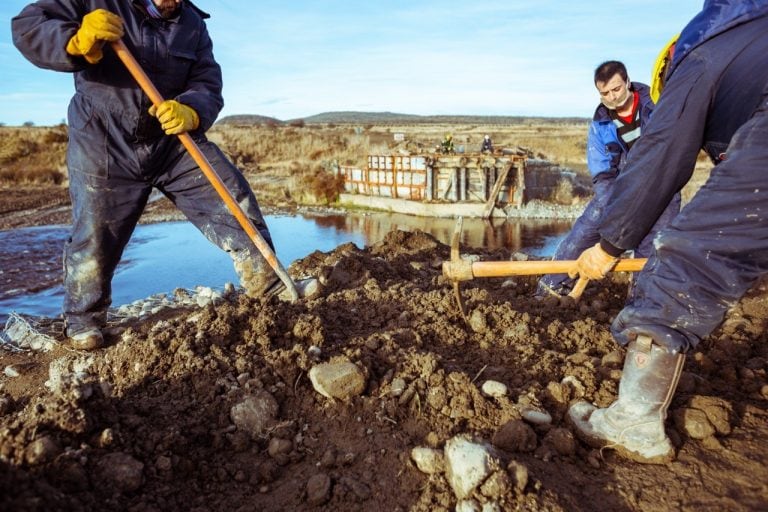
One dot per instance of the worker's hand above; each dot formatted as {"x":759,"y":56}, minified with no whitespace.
{"x":175,"y":117}
{"x":593,"y":263}
{"x":98,"y":27}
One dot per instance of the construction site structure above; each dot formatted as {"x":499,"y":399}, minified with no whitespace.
{"x":446,"y":185}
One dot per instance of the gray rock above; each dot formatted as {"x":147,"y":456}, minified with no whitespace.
{"x":536,"y":416}
{"x":255,"y":413}
{"x":468,"y":464}
{"x":342,"y":380}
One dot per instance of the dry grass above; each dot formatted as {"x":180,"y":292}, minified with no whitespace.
{"x":293,"y":164}
{"x":33,"y":155}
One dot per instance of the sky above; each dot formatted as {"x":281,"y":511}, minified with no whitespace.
{"x":293,"y":59}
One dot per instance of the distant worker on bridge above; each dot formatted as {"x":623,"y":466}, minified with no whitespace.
{"x":446,"y":147}
{"x":620,"y":119}
{"x":119,"y":148}
{"x":487,"y":146}
{"x":715,"y":98}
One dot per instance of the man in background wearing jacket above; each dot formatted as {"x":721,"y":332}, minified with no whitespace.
{"x":619,"y":121}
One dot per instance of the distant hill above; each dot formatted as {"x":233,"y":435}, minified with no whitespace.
{"x":249,"y":119}
{"x":384,"y":118}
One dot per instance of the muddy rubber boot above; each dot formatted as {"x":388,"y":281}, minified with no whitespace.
{"x":634,"y":424}
{"x":91,"y":339}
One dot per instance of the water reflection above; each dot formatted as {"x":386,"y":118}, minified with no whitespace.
{"x":535,"y":236}
{"x":162,"y":257}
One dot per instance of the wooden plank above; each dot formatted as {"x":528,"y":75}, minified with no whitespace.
{"x":491,"y":203}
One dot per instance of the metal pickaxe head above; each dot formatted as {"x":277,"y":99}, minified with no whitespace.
{"x":456,"y":269}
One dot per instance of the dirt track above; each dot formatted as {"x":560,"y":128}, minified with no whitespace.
{"x":148,"y":422}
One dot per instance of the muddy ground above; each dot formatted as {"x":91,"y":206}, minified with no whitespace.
{"x":151,"y":422}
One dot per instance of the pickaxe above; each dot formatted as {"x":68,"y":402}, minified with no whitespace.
{"x":197,"y":155}
{"x":458,"y":269}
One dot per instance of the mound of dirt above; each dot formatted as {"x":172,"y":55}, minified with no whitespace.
{"x":213,"y":408}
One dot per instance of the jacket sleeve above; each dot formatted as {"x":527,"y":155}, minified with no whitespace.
{"x":661,"y":161}
{"x":42,"y":30}
{"x":603,"y":154}
{"x":203,"y":92}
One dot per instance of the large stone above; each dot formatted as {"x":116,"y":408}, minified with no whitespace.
{"x":342,"y":380}
{"x":468,"y":464}
{"x":255,"y":413}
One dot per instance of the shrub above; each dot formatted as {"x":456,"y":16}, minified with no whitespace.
{"x":324,"y":186}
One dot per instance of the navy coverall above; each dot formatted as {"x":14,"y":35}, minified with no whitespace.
{"x":117,"y":152}
{"x":716,"y":97}
{"x":606,"y":157}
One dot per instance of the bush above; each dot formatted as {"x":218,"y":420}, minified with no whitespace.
{"x":40,"y":176}
{"x":323,"y":185}
{"x":55,"y":136}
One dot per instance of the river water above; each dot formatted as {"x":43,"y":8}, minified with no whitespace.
{"x":165,"y":256}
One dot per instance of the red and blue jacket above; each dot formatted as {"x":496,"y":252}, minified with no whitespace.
{"x":606,"y":152}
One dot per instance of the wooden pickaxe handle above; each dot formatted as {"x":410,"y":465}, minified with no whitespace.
{"x":194,"y":150}
{"x":463,"y":270}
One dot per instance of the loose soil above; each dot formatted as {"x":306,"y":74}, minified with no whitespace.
{"x":147,"y":422}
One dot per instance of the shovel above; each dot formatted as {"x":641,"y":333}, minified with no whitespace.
{"x":458,"y":270}
{"x":156,"y":98}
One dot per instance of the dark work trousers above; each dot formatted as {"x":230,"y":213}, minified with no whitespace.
{"x":584,"y":235}
{"x":109,"y":190}
{"x":711,"y":254}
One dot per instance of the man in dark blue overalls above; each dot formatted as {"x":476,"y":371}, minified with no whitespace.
{"x":716,"y":98}
{"x":118,"y":146}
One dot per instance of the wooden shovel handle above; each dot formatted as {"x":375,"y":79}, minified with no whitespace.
{"x":197,"y":155}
